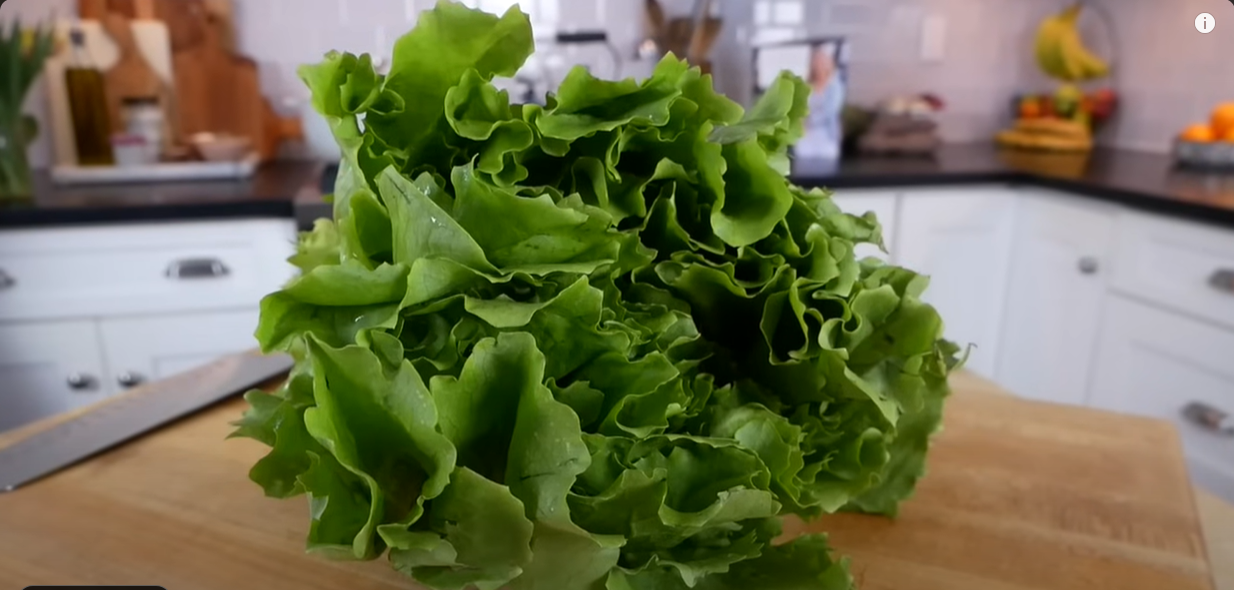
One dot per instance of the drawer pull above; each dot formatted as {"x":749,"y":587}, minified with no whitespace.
{"x":6,"y":280}
{"x":197,"y":268}
{"x":82,"y":382}
{"x":1223,"y":280}
{"x":129,"y":379}
{"x":1089,"y":265}
{"x":1209,"y":418}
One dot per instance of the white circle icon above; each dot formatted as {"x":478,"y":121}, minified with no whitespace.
{"x":1205,"y":23}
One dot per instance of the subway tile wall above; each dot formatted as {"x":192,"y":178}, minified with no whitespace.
{"x":1168,"y":73}
{"x":282,"y":34}
{"x":986,"y":54}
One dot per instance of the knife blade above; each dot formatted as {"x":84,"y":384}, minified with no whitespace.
{"x":135,"y":413}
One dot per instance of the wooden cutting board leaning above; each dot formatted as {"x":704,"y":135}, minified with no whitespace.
{"x":152,"y":41}
{"x":182,"y":52}
{"x":1020,"y":496}
{"x":132,"y":77}
{"x":219,"y":92}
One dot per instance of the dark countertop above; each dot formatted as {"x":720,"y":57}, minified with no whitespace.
{"x":1139,"y":180}
{"x":292,"y":189}
{"x":271,"y":192}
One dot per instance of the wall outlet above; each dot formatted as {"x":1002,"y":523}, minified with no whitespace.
{"x":789,"y":12}
{"x":762,"y":12}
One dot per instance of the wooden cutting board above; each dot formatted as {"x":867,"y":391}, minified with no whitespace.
{"x":186,"y":20}
{"x":132,"y":77}
{"x":1020,"y":496}
{"x":153,"y":42}
{"x":218,"y":91}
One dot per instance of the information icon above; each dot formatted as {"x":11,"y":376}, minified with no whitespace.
{"x":1205,"y":23}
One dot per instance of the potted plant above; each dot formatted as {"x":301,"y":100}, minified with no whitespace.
{"x":22,"y":53}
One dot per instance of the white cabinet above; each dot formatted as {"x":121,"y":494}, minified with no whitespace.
{"x":47,"y":369}
{"x":103,"y":271}
{"x":152,"y":348}
{"x":1055,"y":297}
{"x":885,"y":206}
{"x":1154,"y":363}
{"x":86,"y":312}
{"x":1183,"y":266}
{"x":961,"y":238}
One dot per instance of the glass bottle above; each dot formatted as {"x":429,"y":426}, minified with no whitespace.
{"x":88,"y":104}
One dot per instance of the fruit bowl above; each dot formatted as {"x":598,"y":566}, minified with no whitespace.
{"x":1068,"y":103}
{"x":1204,"y":154}
{"x":1208,"y":144}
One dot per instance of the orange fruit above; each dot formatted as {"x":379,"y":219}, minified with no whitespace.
{"x":1198,"y":133}
{"x":1030,"y":109}
{"x":1223,"y":119}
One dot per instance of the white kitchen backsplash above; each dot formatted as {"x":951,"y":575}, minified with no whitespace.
{"x":987,"y":47}
{"x":283,"y":34}
{"x":1167,"y":73}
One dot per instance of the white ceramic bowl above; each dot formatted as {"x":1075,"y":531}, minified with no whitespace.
{"x":221,"y":148}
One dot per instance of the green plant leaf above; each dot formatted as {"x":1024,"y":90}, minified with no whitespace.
{"x":448,"y":42}
{"x":599,"y":343}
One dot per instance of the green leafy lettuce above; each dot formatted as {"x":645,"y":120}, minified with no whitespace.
{"x":599,"y":344}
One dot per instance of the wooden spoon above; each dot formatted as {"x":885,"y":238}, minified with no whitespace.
{"x":704,"y":39}
{"x":656,"y":26}
{"x":706,"y":29}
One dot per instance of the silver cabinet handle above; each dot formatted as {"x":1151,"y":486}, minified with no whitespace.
{"x":129,"y":379}
{"x":6,"y":280}
{"x":1089,"y":265}
{"x":1209,"y":418}
{"x":197,"y":268}
{"x":1223,"y":280}
{"x":82,"y":382}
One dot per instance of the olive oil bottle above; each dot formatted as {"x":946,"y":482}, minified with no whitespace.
{"x":88,"y":104}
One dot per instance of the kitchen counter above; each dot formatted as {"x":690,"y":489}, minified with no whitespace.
{"x":1140,"y":180}
{"x":293,"y":189}
{"x":271,"y":192}
{"x":1020,"y":496}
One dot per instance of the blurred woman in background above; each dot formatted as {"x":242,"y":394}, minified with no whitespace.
{"x":824,"y":133}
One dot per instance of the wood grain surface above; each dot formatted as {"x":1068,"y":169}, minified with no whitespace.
{"x":1020,"y":496}
{"x":186,"y":20}
{"x":218,"y":91}
{"x":132,"y":77}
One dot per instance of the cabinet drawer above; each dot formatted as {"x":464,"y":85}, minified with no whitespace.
{"x":1180,"y":265}
{"x":153,"y":348}
{"x":962,"y":239}
{"x":1155,"y":363}
{"x":47,"y":369}
{"x":1055,"y":297}
{"x":75,"y":272}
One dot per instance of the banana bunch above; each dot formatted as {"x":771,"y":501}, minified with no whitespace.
{"x":1061,"y":52}
{"x":1048,"y":135}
